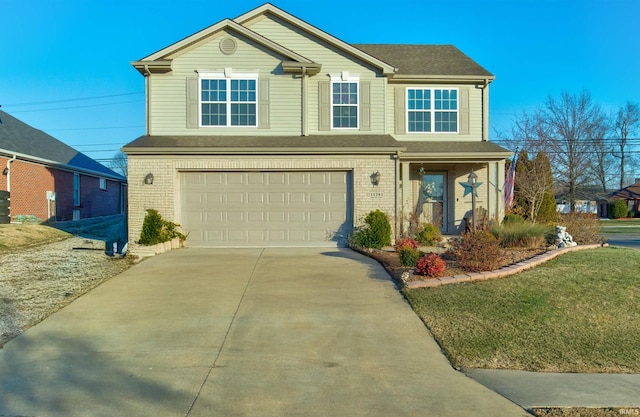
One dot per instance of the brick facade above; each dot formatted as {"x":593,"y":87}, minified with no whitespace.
{"x":163,"y":195}
{"x":30,"y":183}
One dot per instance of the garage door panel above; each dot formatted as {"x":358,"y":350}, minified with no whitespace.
{"x":212,"y":178}
{"x":233,"y":197}
{"x":297,"y":178}
{"x":297,"y":198}
{"x":265,"y":208}
{"x":256,"y":216}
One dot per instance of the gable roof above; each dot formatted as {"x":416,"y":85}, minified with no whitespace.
{"x":28,"y":143}
{"x":269,"y":8}
{"x":427,"y":60}
{"x":162,"y":58}
{"x":631,"y":192}
{"x":402,"y":62}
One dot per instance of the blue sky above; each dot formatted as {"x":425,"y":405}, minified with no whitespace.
{"x":65,"y":65}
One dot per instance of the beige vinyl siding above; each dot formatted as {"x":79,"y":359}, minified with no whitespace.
{"x":333,"y":61}
{"x":474,"y":114}
{"x":169,"y":91}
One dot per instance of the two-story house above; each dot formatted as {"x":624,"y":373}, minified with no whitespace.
{"x":267,"y":131}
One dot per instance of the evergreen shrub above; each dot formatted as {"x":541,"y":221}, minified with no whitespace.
{"x":429,"y":235}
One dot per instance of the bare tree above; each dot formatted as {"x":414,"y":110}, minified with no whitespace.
{"x":533,"y":185}
{"x":603,"y":163}
{"x":626,"y":122}
{"x":119,"y":163}
{"x":565,"y":129}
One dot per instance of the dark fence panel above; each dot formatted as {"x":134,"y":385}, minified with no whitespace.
{"x":4,"y":208}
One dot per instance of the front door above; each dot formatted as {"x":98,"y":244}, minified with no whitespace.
{"x":432,"y":201}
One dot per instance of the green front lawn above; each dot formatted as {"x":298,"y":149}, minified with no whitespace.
{"x":621,"y":227}
{"x":577,"y":313}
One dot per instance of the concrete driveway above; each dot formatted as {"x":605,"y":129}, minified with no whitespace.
{"x":239,"y":332}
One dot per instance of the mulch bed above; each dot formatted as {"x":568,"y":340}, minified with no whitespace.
{"x":390,"y":261}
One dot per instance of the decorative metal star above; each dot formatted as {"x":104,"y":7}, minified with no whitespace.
{"x":468,"y":188}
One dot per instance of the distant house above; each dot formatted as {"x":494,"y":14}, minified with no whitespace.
{"x":48,"y":180}
{"x":631,"y":194}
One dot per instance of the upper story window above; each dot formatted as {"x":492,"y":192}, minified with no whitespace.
{"x":344,"y":104}
{"x":432,"y":110}
{"x":228,"y":101}
{"x":103,"y":183}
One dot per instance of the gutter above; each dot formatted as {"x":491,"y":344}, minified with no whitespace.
{"x":58,"y":165}
{"x":263,"y":151}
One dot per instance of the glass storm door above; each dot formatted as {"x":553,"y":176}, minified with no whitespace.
{"x":433,"y":199}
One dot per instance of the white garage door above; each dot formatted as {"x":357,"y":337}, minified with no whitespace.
{"x":266,"y":208}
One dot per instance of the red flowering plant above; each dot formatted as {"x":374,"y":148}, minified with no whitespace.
{"x":431,"y":265}
{"x":406,"y":242}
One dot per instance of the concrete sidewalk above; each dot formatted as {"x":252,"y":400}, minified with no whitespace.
{"x":239,"y":332}
{"x":540,"y":389}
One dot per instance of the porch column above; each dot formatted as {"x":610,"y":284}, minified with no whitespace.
{"x":406,"y":196}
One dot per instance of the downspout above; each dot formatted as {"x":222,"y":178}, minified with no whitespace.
{"x":398,"y":200}
{"x":485,"y":110}
{"x":305,"y":102}
{"x":147,"y":78}
{"x":9,"y":161}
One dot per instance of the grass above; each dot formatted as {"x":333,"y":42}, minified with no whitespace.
{"x":577,"y":313}
{"x":15,"y":236}
{"x":621,"y":227}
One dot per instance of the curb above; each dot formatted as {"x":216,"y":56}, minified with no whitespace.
{"x":498,"y":273}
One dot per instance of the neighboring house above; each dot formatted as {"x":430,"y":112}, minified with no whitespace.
{"x":631,"y":194}
{"x":49,"y":180}
{"x":267,"y":131}
{"x":582,"y":206}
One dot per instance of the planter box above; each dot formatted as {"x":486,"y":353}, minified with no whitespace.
{"x":143,"y":251}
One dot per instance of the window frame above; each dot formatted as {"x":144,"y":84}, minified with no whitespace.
{"x":76,"y":189}
{"x":102,"y":183}
{"x":432,"y":110}
{"x":345,"y":80}
{"x":228,"y":76}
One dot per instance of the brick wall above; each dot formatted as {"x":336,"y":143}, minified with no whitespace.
{"x":164,"y":196}
{"x":30,"y":183}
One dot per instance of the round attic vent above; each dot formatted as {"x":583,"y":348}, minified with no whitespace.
{"x":228,"y":46}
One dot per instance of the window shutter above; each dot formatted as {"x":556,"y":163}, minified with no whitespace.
{"x":324,"y":105}
{"x":365,"y":105}
{"x":464,"y":111}
{"x":192,"y":103}
{"x":263,"y":103}
{"x":400,"y":111}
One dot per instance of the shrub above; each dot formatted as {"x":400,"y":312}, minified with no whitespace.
{"x":408,"y":256}
{"x":431,"y":265}
{"x":376,"y":234}
{"x":524,"y":235}
{"x":477,"y":251}
{"x":156,"y":230}
{"x":585,"y":228}
{"x":429,"y":235}
{"x":406,"y":242}
{"x":512,"y":218}
{"x":151,"y":228}
{"x":618,"y":209}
